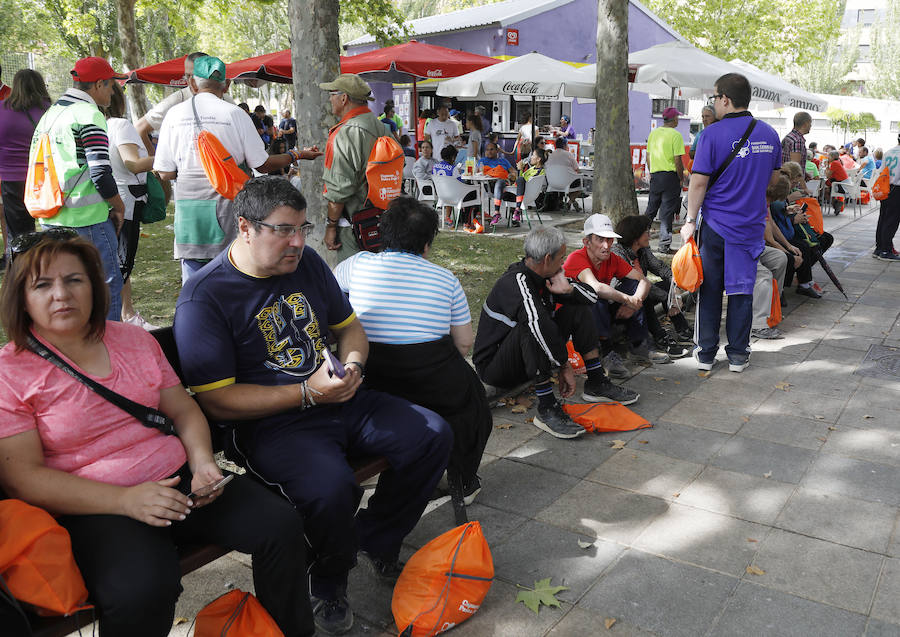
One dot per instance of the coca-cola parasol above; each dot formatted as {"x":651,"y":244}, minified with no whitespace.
{"x":168,"y":73}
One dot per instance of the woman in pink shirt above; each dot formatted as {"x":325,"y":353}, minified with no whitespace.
{"x":127,"y":492}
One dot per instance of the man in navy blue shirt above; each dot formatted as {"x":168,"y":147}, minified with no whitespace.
{"x":733,"y":218}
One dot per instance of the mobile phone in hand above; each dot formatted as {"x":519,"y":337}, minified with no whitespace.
{"x":804,"y":207}
{"x":208,"y":489}
{"x":334,"y":365}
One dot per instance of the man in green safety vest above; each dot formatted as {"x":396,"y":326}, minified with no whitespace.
{"x":80,"y":146}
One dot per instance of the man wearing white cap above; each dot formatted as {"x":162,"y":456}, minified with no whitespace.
{"x":621,"y":289}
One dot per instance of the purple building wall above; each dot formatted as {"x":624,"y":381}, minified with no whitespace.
{"x":565,"y":33}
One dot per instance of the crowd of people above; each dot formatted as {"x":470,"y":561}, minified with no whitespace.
{"x":260,"y":312}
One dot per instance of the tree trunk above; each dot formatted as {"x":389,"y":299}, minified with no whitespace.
{"x":315,"y":56}
{"x":613,"y":178}
{"x":131,"y":52}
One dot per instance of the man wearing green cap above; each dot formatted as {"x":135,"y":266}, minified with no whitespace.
{"x":349,"y":143}
{"x":204,"y":224}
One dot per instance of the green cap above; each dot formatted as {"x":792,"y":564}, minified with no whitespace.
{"x":350,"y":84}
{"x":209,"y":68}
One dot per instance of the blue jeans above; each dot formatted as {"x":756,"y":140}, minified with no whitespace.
{"x":709,"y":307}
{"x":103,"y":236}
{"x":189,"y":266}
{"x":665,"y":197}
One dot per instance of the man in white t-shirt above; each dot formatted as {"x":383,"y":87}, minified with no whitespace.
{"x":441,"y":131}
{"x":154,"y":117}
{"x":204,"y":224}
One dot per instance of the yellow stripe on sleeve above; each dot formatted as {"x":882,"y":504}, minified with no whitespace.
{"x":345,"y":322}
{"x":225,"y":382}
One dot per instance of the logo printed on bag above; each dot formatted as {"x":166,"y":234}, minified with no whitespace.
{"x":467,"y":607}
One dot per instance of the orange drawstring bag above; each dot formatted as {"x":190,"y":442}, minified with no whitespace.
{"x":687,"y":269}
{"x":814,"y":212}
{"x":225,"y":176}
{"x":235,"y":614}
{"x":575,"y":360}
{"x":444,"y":583}
{"x":36,"y":560}
{"x":604,"y":417}
{"x":775,"y":313}
{"x":882,"y":186}
{"x":43,"y":196}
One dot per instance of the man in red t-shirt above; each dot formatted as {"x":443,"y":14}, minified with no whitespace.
{"x":597,"y":266}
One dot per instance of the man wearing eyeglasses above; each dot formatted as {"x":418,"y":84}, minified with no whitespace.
{"x":204,"y":225}
{"x":350,"y":142}
{"x":733,"y":166}
{"x":251,"y":329}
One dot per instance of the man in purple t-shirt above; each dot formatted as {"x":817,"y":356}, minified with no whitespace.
{"x":734,"y":219}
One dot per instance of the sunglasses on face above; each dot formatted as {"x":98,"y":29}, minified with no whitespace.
{"x":25,"y":242}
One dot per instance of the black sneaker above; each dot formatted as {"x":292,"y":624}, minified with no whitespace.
{"x":685,"y":336}
{"x":810,"y":292}
{"x":332,"y":616}
{"x":385,"y":570}
{"x":603,"y":390}
{"x":471,"y":488}
{"x":556,"y":422}
{"x":672,"y":347}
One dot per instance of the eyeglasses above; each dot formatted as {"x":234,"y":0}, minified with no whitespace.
{"x":713,"y":98}
{"x":285,"y":230}
{"x":25,"y":242}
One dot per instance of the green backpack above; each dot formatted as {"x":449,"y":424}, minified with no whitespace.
{"x":155,"y":208}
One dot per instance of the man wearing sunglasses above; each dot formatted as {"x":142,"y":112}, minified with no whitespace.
{"x":735,"y":162}
{"x":251,"y":329}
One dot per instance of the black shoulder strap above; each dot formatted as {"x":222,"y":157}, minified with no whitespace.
{"x":148,"y":416}
{"x":734,"y":151}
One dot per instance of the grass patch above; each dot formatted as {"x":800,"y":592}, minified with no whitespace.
{"x":476,"y":260}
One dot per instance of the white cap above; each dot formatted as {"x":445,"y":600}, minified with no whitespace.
{"x":600,"y":225}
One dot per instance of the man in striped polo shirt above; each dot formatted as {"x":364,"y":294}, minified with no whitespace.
{"x":80,"y":146}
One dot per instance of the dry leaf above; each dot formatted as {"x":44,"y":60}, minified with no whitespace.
{"x":782,"y":386}
{"x":867,"y":416}
{"x":505,"y":425}
{"x":524,"y":400}
{"x":746,"y":418}
{"x":832,"y":429}
{"x":802,"y":325}
{"x":618,"y":444}
{"x":750,"y":539}
{"x":767,"y":474}
{"x":608,"y":622}
{"x":585,"y":545}
{"x":529,"y":420}
{"x":677,"y":382}
{"x":819,"y":417}
{"x":755,"y":570}
{"x":518,"y":409}
{"x":704,"y":374}
{"x":180,"y":620}
{"x":644,"y":442}
{"x":675,"y":495}
{"x":821,"y":438}
{"x":658,"y":378}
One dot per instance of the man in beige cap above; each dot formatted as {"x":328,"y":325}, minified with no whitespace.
{"x":349,"y":143}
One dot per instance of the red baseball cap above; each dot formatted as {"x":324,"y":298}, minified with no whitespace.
{"x":93,"y":69}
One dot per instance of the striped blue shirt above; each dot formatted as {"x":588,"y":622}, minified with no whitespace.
{"x":402,"y":298}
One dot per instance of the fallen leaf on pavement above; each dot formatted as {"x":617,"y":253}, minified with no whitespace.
{"x":677,"y":382}
{"x":782,"y":386}
{"x":644,"y":442}
{"x":524,"y":400}
{"x":803,"y":325}
{"x":529,"y":420}
{"x":704,"y":374}
{"x":542,"y":593}
{"x":750,"y":539}
{"x":608,"y":622}
{"x":819,"y":417}
{"x":767,"y":474}
{"x":585,"y":545}
{"x":505,"y":425}
{"x":180,"y":620}
{"x":618,"y":444}
{"x":832,"y":429}
{"x":675,"y":495}
{"x":658,"y":378}
{"x":821,"y":438}
{"x":746,"y":418}
{"x":518,"y":409}
{"x":867,"y":416}
{"x":755,"y":570}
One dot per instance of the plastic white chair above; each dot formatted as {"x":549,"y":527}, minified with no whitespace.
{"x":846,"y":190}
{"x":533,"y":188}
{"x":563,"y":179}
{"x":425,"y":188}
{"x":813,"y":186}
{"x":452,"y":192}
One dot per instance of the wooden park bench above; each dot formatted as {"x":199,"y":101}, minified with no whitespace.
{"x":193,"y":556}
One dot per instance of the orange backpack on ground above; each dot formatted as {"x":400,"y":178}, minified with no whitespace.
{"x":882,"y":186}
{"x":775,"y":313}
{"x":235,"y":614}
{"x":603,"y":417}
{"x":225,"y":176}
{"x":36,"y":560}
{"x":687,"y":269}
{"x":43,"y":195}
{"x":444,"y":583}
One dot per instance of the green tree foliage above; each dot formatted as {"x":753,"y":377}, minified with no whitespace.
{"x":885,"y":81}
{"x":851,"y":123}
{"x":772,"y":34}
{"x":825,"y":73}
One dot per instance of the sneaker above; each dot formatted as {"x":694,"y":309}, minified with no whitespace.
{"x":603,"y":390}
{"x":810,"y":292}
{"x":818,"y":288}
{"x":471,"y":488}
{"x":517,"y":219}
{"x":887,"y":256}
{"x":701,"y":365}
{"x":671,"y":347}
{"x":495,"y":219}
{"x":738,"y":364}
{"x":139,"y":321}
{"x":615,"y":366}
{"x":685,"y":336}
{"x":770,"y":333}
{"x":667,"y":250}
{"x":385,"y":570}
{"x":643,"y":353}
{"x":332,"y":616}
{"x":556,"y":422}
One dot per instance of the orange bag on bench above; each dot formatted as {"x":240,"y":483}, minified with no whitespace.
{"x":604,"y":417}
{"x":444,"y":583}
{"x":36,"y":560}
{"x":235,"y":614}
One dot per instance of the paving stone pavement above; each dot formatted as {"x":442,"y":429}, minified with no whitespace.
{"x":792,"y":467}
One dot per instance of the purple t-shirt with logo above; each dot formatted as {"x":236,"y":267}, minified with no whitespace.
{"x":735,"y":206}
